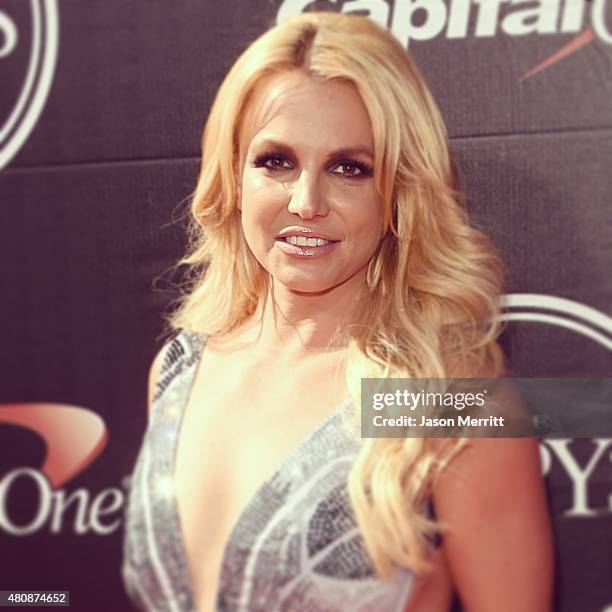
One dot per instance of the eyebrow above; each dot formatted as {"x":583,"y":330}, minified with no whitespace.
{"x":343,"y":152}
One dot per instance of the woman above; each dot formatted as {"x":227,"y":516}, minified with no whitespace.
{"x":329,"y":244}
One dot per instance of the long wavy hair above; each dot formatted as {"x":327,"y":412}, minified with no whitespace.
{"x":433,"y":284}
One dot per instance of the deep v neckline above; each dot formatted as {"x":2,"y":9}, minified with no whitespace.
{"x":198,"y":342}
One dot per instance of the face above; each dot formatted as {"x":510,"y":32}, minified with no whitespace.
{"x":309,"y":208}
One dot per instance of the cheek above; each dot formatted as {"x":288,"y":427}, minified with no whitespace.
{"x":363,"y":215}
{"x":262,"y":204}
{"x":261,"y":195}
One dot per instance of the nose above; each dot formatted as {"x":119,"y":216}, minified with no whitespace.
{"x":307,"y":199}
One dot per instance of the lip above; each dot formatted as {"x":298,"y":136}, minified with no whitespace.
{"x":306,"y":232}
{"x":304,"y":252}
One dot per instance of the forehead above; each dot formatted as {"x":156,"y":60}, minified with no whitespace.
{"x":299,"y":109}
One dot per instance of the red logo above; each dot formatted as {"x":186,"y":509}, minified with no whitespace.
{"x":73,"y":436}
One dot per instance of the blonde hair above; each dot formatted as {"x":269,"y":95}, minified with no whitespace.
{"x":433,"y":285}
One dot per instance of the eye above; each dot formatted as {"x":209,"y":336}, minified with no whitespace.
{"x":272,"y":161}
{"x":354,"y":168}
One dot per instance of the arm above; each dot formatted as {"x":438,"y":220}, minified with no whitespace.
{"x":433,"y":591}
{"x":499,"y":548}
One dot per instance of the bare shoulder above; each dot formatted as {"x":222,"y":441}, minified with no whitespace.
{"x":492,"y":499}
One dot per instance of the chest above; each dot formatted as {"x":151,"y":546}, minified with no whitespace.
{"x":238,"y":426}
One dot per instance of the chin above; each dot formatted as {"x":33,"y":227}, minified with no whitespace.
{"x":304,"y":285}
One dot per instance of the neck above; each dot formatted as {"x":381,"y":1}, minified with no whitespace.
{"x":299,"y":324}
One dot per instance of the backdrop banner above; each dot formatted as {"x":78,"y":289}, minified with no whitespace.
{"x":102,"y":106}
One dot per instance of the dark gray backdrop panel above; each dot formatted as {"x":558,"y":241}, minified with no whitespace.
{"x":87,"y":217}
{"x":135,"y":77}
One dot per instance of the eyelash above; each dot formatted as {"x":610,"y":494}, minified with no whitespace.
{"x":365,"y":169}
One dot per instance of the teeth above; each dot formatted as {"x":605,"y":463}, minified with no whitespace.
{"x":302,"y":241}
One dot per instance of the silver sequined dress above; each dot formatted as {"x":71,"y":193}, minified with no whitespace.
{"x":295,"y":547}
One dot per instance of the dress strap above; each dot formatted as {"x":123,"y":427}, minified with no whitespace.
{"x":179,"y":352}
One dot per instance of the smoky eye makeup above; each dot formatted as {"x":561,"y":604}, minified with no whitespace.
{"x":365,"y":170}
{"x":277,"y":162}
{"x":271,"y":161}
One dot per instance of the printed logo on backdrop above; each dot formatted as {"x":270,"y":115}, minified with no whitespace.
{"x":74,"y":437}
{"x":596,"y":326}
{"x":423,"y":20}
{"x":553,"y":310}
{"x":28,"y":47}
